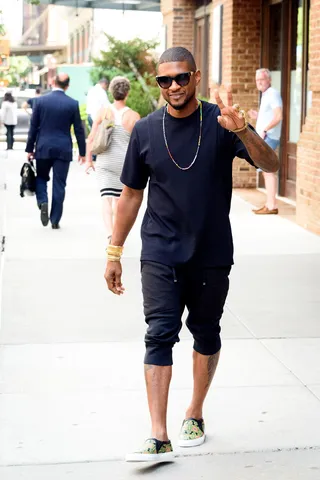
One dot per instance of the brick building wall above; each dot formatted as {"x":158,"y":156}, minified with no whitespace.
{"x":308,"y":154}
{"x":241,"y":46}
{"x":178,"y":16}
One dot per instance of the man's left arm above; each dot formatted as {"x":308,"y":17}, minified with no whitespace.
{"x":261,"y":154}
{"x":79,"y":132}
{"x":232,"y":118}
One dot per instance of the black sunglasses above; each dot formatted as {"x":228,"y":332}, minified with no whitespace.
{"x":182,"y":79}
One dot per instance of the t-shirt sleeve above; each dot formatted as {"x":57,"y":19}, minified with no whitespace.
{"x":30,"y":102}
{"x":275,"y":100}
{"x":135,"y":172}
{"x":239,"y":150}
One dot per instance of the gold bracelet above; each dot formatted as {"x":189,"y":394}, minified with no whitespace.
{"x":112,"y":258}
{"x":114,"y":250}
{"x":240,"y":129}
{"x":244,"y":116}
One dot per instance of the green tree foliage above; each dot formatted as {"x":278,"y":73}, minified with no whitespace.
{"x":18,"y":69}
{"x":120,"y":53}
{"x":116,"y":61}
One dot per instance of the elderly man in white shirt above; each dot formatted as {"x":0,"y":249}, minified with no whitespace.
{"x":269,"y":121}
{"x":97,"y":98}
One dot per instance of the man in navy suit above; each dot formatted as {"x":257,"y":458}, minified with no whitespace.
{"x":50,"y":143}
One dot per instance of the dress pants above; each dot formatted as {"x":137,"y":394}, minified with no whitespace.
{"x":10,"y":136}
{"x":60,"y":170}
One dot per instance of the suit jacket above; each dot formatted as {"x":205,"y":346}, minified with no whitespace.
{"x":51,"y":121}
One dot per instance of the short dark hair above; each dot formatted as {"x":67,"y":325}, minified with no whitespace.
{"x":104,"y":80}
{"x":8,"y":97}
{"x":38,"y":91}
{"x":178,"y":54}
{"x":62,"y":83}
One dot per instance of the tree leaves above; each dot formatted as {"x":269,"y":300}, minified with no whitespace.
{"x":116,"y":61}
{"x":120,"y":53}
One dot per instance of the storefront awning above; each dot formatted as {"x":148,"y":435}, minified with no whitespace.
{"x":146,"y":5}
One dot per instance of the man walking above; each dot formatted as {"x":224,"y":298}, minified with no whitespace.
{"x":185,"y":151}
{"x":269,"y":120}
{"x":97,"y":99}
{"x":30,"y":102}
{"x":50,"y":143}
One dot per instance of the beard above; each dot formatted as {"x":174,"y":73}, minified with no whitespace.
{"x":181,"y":106}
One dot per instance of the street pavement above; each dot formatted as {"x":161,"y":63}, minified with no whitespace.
{"x":72,"y":399}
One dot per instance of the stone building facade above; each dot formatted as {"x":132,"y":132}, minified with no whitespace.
{"x":231,"y":39}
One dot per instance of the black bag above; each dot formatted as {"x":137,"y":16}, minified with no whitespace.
{"x":28,"y":179}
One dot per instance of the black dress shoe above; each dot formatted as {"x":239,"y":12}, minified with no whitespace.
{"x":55,"y":226}
{"x":44,"y":216}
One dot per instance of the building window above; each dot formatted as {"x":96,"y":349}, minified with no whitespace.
{"x":78,"y":47}
{"x":202,"y":39}
{"x":72,"y":52}
{"x":83,"y":45}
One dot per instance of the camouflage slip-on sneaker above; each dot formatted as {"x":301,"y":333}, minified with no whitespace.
{"x":152,"y":450}
{"x":192,"y":433}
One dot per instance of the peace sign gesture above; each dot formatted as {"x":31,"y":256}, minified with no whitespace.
{"x":232,"y":117}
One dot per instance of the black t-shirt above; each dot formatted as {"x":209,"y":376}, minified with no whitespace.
{"x":187,"y":217}
{"x":30,"y":102}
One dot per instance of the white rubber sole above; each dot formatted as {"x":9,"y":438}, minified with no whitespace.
{"x":192,"y":443}
{"x":150,"y":457}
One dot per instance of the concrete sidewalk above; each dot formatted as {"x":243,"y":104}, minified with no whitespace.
{"x":72,"y":398}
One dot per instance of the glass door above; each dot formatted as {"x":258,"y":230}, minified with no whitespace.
{"x":295,"y":63}
{"x":202,"y":50}
{"x":272,"y":46}
{"x":285,"y":52}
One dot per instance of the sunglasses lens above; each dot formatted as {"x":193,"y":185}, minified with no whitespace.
{"x":164,"y":82}
{"x":183,"y":79}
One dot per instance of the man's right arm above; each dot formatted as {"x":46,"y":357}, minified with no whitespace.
{"x":34,"y":128}
{"x":134,"y":176}
{"x":127,"y":212}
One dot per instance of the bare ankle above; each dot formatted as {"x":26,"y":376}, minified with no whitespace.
{"x":194,"y":413}
{"x":160,"y":434}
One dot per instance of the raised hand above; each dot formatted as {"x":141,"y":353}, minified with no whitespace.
{"x":231,"y":118}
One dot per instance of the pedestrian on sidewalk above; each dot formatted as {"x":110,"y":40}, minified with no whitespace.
{"x":185,"y":150}
{"x":30,"y":102}
{"x":109,"y":164}
{"x":269,"y":121}
{"x":50,"y":143}
{"x":9,"y":117}
{"x":97,"y":99}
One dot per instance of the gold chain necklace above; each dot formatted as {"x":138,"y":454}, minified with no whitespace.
{"x":166,"y":142}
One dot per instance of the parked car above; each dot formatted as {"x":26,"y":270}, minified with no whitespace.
{"x":22,"y":128}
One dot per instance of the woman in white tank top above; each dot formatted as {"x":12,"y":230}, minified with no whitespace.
{"x":109,"y":164}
